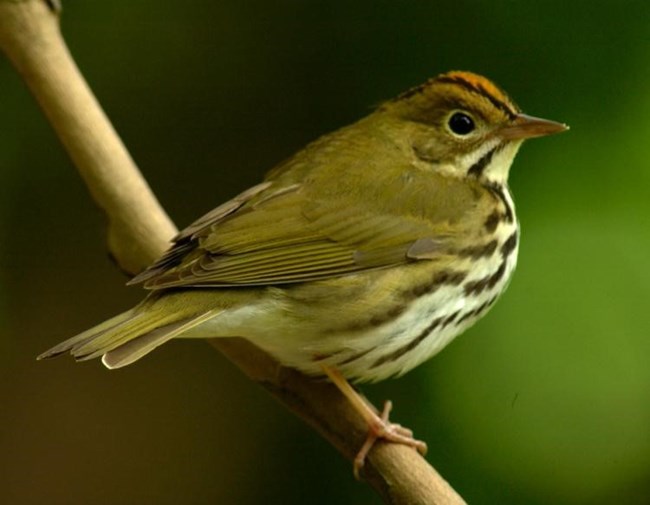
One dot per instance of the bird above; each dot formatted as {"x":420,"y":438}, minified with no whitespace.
{"x":356,"y":259}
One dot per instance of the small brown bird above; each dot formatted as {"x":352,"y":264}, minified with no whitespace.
{"x":359,"y":257}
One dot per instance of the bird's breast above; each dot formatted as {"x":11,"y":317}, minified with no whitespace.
{"x":439,"y":305}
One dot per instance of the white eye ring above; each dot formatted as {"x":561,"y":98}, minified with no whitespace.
{"x":461,"y":123}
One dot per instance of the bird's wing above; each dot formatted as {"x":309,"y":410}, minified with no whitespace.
{"x":275,"y":235}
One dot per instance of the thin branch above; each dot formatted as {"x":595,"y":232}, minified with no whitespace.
{"x":139,"y":231}
{"x":138,"y":228}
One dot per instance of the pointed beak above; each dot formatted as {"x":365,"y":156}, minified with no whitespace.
{"x":527,"y":127}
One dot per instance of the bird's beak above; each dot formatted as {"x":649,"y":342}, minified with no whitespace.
{"x":526,"y":127}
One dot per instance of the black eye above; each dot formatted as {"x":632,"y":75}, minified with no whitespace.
{"x":461,"y":124}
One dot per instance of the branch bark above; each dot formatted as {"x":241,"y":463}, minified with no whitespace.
{"x":139,"y":231}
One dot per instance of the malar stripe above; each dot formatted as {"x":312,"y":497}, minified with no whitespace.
{"x":478,"y":89}
{"x":479,"y":167}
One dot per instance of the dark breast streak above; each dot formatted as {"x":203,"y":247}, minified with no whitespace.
{"x":473,"y":288}
{"x":447,"y":277}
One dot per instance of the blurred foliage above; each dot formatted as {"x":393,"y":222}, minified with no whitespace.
{"x":547,"y":400}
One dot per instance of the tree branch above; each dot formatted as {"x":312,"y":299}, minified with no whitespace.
{"x":139,"y":231}
{"x":138,"y":228}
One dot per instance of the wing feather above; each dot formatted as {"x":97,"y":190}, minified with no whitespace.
{"x":277,"y":234}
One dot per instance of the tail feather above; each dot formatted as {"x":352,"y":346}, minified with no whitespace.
{"x":78,"y":340}
{"x":138,"y":347}
{"x":99,"y":344}
{"x":127,"y":337}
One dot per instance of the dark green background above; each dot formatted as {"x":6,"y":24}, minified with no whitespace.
{"x":547,"y":400}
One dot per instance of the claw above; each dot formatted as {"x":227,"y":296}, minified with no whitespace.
{"x":381,"y":429}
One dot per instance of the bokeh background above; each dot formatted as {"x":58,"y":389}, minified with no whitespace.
{"x":547,"y":400}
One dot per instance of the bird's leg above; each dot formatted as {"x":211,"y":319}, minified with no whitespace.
{"x":379,"y":427}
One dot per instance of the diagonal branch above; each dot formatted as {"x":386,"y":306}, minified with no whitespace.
{"x":139,"y":231}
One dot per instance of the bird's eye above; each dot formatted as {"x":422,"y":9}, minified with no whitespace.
{"x":461,"y":123}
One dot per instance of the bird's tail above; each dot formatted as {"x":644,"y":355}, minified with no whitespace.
{"x":130,"y":335}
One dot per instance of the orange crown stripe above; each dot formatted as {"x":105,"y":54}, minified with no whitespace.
{"x":478,"y":81}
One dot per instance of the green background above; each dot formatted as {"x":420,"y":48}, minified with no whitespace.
{"x":547,"y":400}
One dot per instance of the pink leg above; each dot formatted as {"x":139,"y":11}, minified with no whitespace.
{"x":379,"y":427}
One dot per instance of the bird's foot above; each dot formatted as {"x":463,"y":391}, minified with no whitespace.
{"x":380,"y":428}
